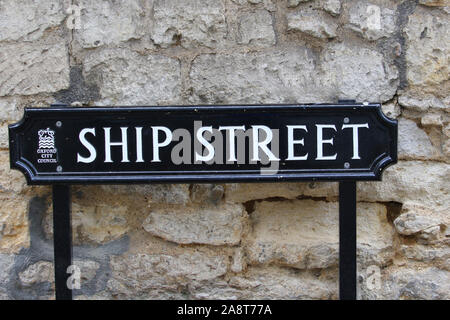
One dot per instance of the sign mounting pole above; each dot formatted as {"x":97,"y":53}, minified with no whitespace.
{"x":347,"y":240}
{"x":62,"y":240}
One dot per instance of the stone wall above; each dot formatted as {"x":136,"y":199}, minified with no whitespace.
{"x":232,"y":241}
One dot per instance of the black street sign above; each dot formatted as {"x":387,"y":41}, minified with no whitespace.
{"x":344,"y":142}
{"x":203,"y":143}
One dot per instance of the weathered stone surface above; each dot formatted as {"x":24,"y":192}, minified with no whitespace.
{"x":391,"y":110}
{"x":4,"y":138}
{"x":266,"y":4}
{"x":438,"y":256}
{"x":168,"y":193}
{"x":446,"y":130}
{"x":239,"y":263}
{"x":10,"y":109}
{"x":405,"y":283}
{"x":27,"y":20}
{"x":428,"y":53}
{"x":419,"y":220}
{"x":413,"y":143}
{"x":128,"y":78}
{"x":212,"y":225}
{"x":291,"y":75}
{"x":358,"y":73}
{"x":409,"y":223}
{"x":371,"y":21}
{"x":423,"y":102}
{"x":13,"y":223}
{"x":30,"y":68}
{"x":416,"y":181}
{"x":294,"y":3}
{"x":312,"y":22}
{"x":43,"y":271}
{"x":88,"y":270}
{"x":95,"y":223}
{"x":333,"y":7}
{"x":207,"y":193}
{"x":256,"y":28}
{"x":11,"y":180}
{"x":374,"y":235}
{"x":434,"y":3}
{"x":6,"y":264}
{"x":107,"y":23}
{"x":159,"y":275}
{"x":256,"y":283}
{"x":154,"y":193}
{"x":426,"y":284}
{"x":273,"y":238}
{"x":243,"y":192}
{"x":446,"y":146}
{"x":432,"y":120}
{"x":268,"y":283}
{"x":303,"y":234}
{"x":189,"y":23}
{"x":276,"y":76}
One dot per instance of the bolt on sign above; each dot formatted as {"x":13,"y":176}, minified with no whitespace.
{"x":203,"y":143}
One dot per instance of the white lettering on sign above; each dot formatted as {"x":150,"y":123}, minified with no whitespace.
{"x":263,"y":143}
{"x":90,"y":147}
{"x":321,"y":142}
{"x":159,"y":144}
{"x":355,"y":128}
{"x":291,"y":143}
{"x":109,"y":144}
{"x":205,"y":143}
{"x":231,"y":141}
{"x":139,"y":145}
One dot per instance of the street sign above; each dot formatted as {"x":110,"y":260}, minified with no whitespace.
{"x":61,"y":146}
{"x":203,"y":143}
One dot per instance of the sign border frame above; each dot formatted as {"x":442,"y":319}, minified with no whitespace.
{"x":350,"y":174}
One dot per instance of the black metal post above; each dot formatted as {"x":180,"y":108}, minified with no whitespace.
{"x":62,"y":240}
{"x":347,"y":240}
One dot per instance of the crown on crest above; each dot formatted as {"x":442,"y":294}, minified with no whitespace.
{"x":46,"y":133}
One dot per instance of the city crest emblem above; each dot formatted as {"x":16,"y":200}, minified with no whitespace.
{"x":46,"y":151}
